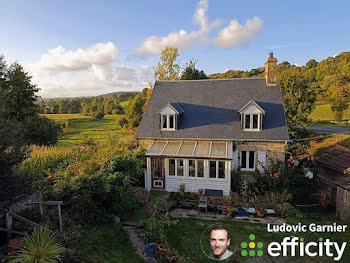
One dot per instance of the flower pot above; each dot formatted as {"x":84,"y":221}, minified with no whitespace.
{"x":162,"y":249}
{"x":224,"y":211}
{"x":260,"y":214}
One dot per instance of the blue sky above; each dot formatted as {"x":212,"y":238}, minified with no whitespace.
{"x":83,"y":48}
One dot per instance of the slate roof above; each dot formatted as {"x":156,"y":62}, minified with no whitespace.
{"x":211,"y":110}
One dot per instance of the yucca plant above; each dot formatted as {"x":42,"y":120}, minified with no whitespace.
{"x":39,"y":247}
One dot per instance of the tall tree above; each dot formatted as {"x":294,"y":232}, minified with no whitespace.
{"x":298,"y":97}
{"x":17,"y":94}
{"x":168,"y":67}
{"x":190,"y":71}
{"x":338,"y":89}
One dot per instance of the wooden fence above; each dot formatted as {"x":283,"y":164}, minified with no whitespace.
{"x":343,"y":204}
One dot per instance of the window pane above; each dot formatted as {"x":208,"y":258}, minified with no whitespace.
{"x":247,"y":121}
{"x":244,"y":159}
{"x":191,"y":167}
{"x":164,"y":117}
{"x":255,"y":121}
{"x":221,"y":169}
{"x":180,"y":167}
{"x":200,"y":169}
{"x":171,"y":166}
{"x":212,"y":173}
{"x":171,"y":121}
{"x":251,"y":160}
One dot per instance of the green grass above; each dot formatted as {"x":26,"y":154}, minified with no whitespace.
{"x":105,"y":244}
{"x":323,"y":112}
{"x":83,"y":127}
{"x":186,"y":234}
{"x":124,"y":104}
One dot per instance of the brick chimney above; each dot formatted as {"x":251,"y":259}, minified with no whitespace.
{"x":271,"y":70}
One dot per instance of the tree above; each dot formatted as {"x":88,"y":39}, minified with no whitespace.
{"x":168,"y":68}
{"x":17,"y":94}
{"x":311,"y":64}
{"x":337,"y":87}
{"x":298,"y":97}
{"x":190,"y":72}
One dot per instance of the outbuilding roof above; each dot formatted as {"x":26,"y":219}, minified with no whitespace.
{"x":210,"y":110}
{"x":337,"y":158}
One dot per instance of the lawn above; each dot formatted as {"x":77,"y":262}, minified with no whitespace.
{"x":82,"y":128}
{"x":185,"y":237}
{"x":323,"y":112}
{"x":104,"y":244}
{"x":318,"y":147}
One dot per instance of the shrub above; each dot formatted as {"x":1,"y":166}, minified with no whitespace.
{"x":236,"y":180}
{"x":140,"y":194}
{"x":98,"y":115}
{"x":40,"y":247}
{"x":122,"y":122}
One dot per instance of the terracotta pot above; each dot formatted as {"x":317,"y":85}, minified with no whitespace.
{"x":260,"y":214}
{"x":163,"y":248}
{"x":224,"y":211}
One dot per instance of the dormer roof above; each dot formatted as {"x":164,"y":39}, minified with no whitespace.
{"x":174,"y":106}
{"x":251,"y":102}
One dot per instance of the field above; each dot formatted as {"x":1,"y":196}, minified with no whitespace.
{"x":82,"y":128}
{"x":323,"y":112}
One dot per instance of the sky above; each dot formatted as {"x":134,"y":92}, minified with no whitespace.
{"x":89,"y":47}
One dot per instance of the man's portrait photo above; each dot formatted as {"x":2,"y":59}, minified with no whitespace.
{"x":219,"y":242}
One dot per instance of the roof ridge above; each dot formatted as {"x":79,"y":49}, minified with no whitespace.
{"x":190,"y":80}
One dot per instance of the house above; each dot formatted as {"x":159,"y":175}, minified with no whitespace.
{"x":332,"y":178}
{"x":197,"y":131}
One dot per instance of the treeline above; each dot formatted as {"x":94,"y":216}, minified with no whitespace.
{"x":327,"y":80}
{"x":104,"y":104}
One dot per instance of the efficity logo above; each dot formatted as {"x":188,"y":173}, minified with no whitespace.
{"x":294,"y":246}
{"x":249,"y":247}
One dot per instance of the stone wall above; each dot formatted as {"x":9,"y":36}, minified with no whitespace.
{"x":274,"y":150}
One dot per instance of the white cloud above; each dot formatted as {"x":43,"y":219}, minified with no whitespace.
{"x":83,"y":72}
{"x":182,"y":39}
{"x":235,"y":33}
{"x":61,"y":60}
{"x":126,"y":73}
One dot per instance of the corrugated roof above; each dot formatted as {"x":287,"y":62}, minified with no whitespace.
{"x":211,"y":110}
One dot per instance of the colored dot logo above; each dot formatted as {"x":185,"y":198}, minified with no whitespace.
{"x":249,"y":248}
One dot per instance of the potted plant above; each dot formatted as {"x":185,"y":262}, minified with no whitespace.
{"x":162,"y":249}
{"x":201,"y":191}
{"x":260,"y":210}
{"x":224,"y":210}
{"x":226,"y":201}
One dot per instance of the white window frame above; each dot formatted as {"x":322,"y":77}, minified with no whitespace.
{"x":195,"y":169}
{"x":175,"y":168}
{"x":217,"y":170}
{"x":247,"y":161}
{"x":158,"y":181}
{"x":251,"y":122}
{"x":168,"y":122}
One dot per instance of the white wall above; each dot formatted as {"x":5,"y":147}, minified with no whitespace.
{"x":172,"y":183}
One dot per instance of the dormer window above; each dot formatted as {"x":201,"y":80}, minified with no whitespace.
{"x":168,"y":122}
{"x":170,"y":115}
{"x":251,"y":116}
{"x":251,"y":121}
